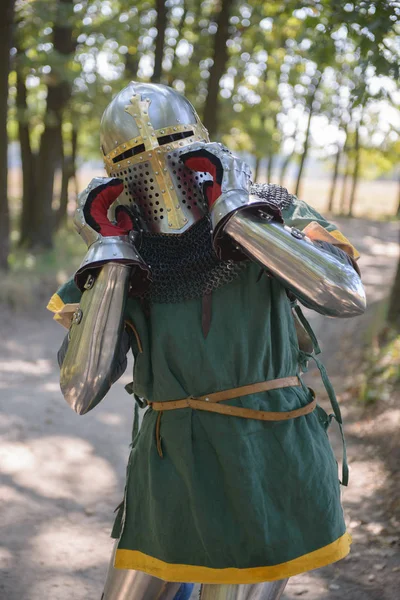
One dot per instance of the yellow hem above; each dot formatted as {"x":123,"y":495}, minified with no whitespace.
{"x":133,"y":559}
{"x":55,"y":304}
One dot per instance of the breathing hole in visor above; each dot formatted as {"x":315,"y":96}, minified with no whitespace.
{"x":130,"y":152}
{"x":174,"y":137}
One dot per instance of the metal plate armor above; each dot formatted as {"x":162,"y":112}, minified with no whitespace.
{"x":143,"y":131}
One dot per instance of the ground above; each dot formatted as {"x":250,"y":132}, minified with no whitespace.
{"x":62,"y":475}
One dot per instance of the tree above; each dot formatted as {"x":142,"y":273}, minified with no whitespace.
{"x":38,"y":219}
{"x":160,"y":39}
{"x":6,"y":33}
{"x":394,"y":304}
{"x":220,"y":58}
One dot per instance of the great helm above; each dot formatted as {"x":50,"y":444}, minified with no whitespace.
{"x":143,"y":131}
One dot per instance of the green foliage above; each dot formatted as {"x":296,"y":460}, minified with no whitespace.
{"x":34,"y":277}
{"x":335,"y":60}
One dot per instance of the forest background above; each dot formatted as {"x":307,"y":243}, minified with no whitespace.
{"x":290,"y":84}
{"x":297,"y":87}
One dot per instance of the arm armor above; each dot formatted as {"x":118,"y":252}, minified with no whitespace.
{"x":319,"y":279}
{"x":88,"y":369}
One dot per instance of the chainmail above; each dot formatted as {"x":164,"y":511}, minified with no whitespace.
{"x":185,"y":266}
{"x":274,"y":194}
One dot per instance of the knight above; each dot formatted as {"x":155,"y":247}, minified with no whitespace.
{"x":231,"y":480}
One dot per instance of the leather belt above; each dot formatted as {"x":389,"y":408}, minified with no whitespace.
{"x":210,"y":402}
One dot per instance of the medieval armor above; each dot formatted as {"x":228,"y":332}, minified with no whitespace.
{"x":142,"y":132}
{"x":317,"y":278}
{"x":94,"y":337}
{"x":178,"y":223}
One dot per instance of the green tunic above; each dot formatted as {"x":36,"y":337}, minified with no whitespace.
{"x":232,"y":500}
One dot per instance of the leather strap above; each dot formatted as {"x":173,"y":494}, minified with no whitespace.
{"x":210,"y":402}
{"x":206,"y":307}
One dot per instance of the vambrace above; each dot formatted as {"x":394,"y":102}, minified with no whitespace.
{"x":320,"y":278}
{"x":91,"y":359}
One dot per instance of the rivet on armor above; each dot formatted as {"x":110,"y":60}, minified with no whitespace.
{"x":145,"y":137}
{"x":157,"y":172}
{"x":171,"y":187}
{"x":124,"y":146}
{"x":165,"y":170}
{"x":163,"y":191}
{"x":129,"y":162}
{"x":169,"y":224}
{"x":162,"y":131}
{"x":77,"y":317}
{"x":168,"y":210}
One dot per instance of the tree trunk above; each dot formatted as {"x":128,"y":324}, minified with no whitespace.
{"x":394,"y":304}
{"x":27,"y":163}
{"x":220,"y":58}
{"x":270,"y":164}
{"x":398,"y":197}
{"x":343,"y":197}
{"x":65,"y":176}
{"x":68,"y":172}
{"x":307,"y":140}
{"x":257,"y":170}
{"x":287,"y":160}
{"x":171,"y":75}
{"x":50,"y":151}
{"x":6,"y":34}
{"x":334,"y":178}
{"x":304,"y":154}
{"x":160,"y":40}
{"x":131,"y":65}
{"x":355,"y":171}
{"x":49,"y":158}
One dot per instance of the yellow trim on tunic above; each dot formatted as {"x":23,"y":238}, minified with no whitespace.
{"x":133,"y":559}
{"x":55,"y":304}
{"x":343,"y":240}
{"x":315,"y":231}
{"x":63,"y":313}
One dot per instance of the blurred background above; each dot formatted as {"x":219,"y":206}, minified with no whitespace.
{"x":308,"y":93}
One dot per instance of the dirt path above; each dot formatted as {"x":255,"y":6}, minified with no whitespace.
{"x":62,"y":475}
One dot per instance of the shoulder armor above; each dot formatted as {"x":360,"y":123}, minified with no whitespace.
{"x":88,"y":234}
